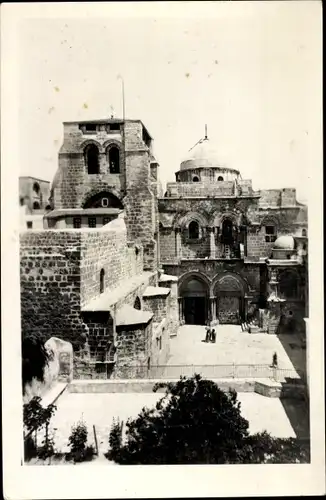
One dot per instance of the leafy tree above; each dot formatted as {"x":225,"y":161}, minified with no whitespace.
{"x":194,"y":423}
{"x":35,"y":416}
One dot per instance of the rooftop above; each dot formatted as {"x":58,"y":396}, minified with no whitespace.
{"x":128,"y":315}
{"x":156,"y":291}
{"x":107,"y":121}
{"x":106,"y":300}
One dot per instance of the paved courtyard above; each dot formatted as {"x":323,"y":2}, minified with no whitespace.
{"x":99,"y":409}
{"x":234,"y":347}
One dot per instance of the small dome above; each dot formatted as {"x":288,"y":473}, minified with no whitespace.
{"x":284,"y":243}
{"x":203,"y":155}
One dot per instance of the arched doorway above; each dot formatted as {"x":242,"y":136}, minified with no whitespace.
{"x":230,"y":305}
{"x":193,"y":295}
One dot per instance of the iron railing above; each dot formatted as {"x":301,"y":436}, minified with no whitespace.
{"x":172,"y":372}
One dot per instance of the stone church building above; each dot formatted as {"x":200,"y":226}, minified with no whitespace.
{"x":118,"y":266}
{"x":239,"y":254}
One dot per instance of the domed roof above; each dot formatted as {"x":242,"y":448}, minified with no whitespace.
{"x":203,"y":155}
{"x":284,"y":243}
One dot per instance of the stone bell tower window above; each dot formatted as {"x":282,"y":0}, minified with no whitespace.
{"x":92,"y":159}
{"x":114,"y":160}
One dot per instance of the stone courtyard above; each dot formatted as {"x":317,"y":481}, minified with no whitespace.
{"x":233,"y":346}
{"x":99,"y":410}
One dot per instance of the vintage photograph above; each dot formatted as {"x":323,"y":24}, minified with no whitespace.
{"x":163,"y":193}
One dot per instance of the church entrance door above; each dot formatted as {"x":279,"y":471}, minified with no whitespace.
{"x":194,"y":300}
{"x":228,"y":310}
{"x":195,"y":310}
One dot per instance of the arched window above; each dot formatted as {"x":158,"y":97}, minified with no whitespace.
{"x":102,"y":283}
{"x":92,"y":159}
{"x":114,"y":160}
{"x":304,"y":233}
{"x":195,"y":179}
{"x":48,"y":207}
{"x":36,"y":205}
{"x":220,"y":178}
{"x":137,"y":304}
{"x":36,"y":187}
{"x":193,"y":230}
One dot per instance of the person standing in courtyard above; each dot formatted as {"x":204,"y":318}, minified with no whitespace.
{"x":207,"y":338}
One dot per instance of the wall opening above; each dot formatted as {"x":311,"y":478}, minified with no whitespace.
{"x":194,"y":301}
{"x":304,"y":233}
{"x":102,"y":281}
{"x":29,"y":224}
{"x":195,"y":179}
{"x":36,"y":205}
{"x":92,"y":222}
{"x":137,"y":304}
{"x":77,"y":222}
{"x":193,"y":230}
{"x":114,"y":160}
{"x":36,"y":187}
{"x":92,"y":159}
{"x":227,"y":232}
{"x":270,"y":234}
{"x":90,"y":127}
{"x":220,"y":178}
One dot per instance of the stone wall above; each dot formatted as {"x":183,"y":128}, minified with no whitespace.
{"x":50,"y":286}
{"x":107,"y":249}
{"x":134,"y":348}
{"x":60,"y":272}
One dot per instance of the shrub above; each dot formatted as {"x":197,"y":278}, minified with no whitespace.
{"x":79,"y":451}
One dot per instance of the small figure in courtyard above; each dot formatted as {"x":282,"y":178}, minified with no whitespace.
{"x":208,"y":332}
{"x":275,"y":362}
{"x":213,"y":336}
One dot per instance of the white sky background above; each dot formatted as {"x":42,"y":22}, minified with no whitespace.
{"x":252,"y":72}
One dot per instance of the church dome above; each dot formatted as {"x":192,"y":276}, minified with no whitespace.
{"x":204,"y":155}
{"x":284,"y":243}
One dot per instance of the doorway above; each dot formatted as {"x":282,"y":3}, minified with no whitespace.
{"x":195,"y":310}
{"x":194,"y":301}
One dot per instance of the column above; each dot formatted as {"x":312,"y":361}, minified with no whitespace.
{"x":212,"y":308}
{"x":212,"y":246}
{"x":180,"y":308}
{"x":178,"y":243}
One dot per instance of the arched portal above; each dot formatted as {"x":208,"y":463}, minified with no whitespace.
{"x":230,"y":304}
{"x":103,"y":199}
{"x":193,"y":294}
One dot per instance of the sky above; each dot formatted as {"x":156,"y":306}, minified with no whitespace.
{"x":250,"y":71}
